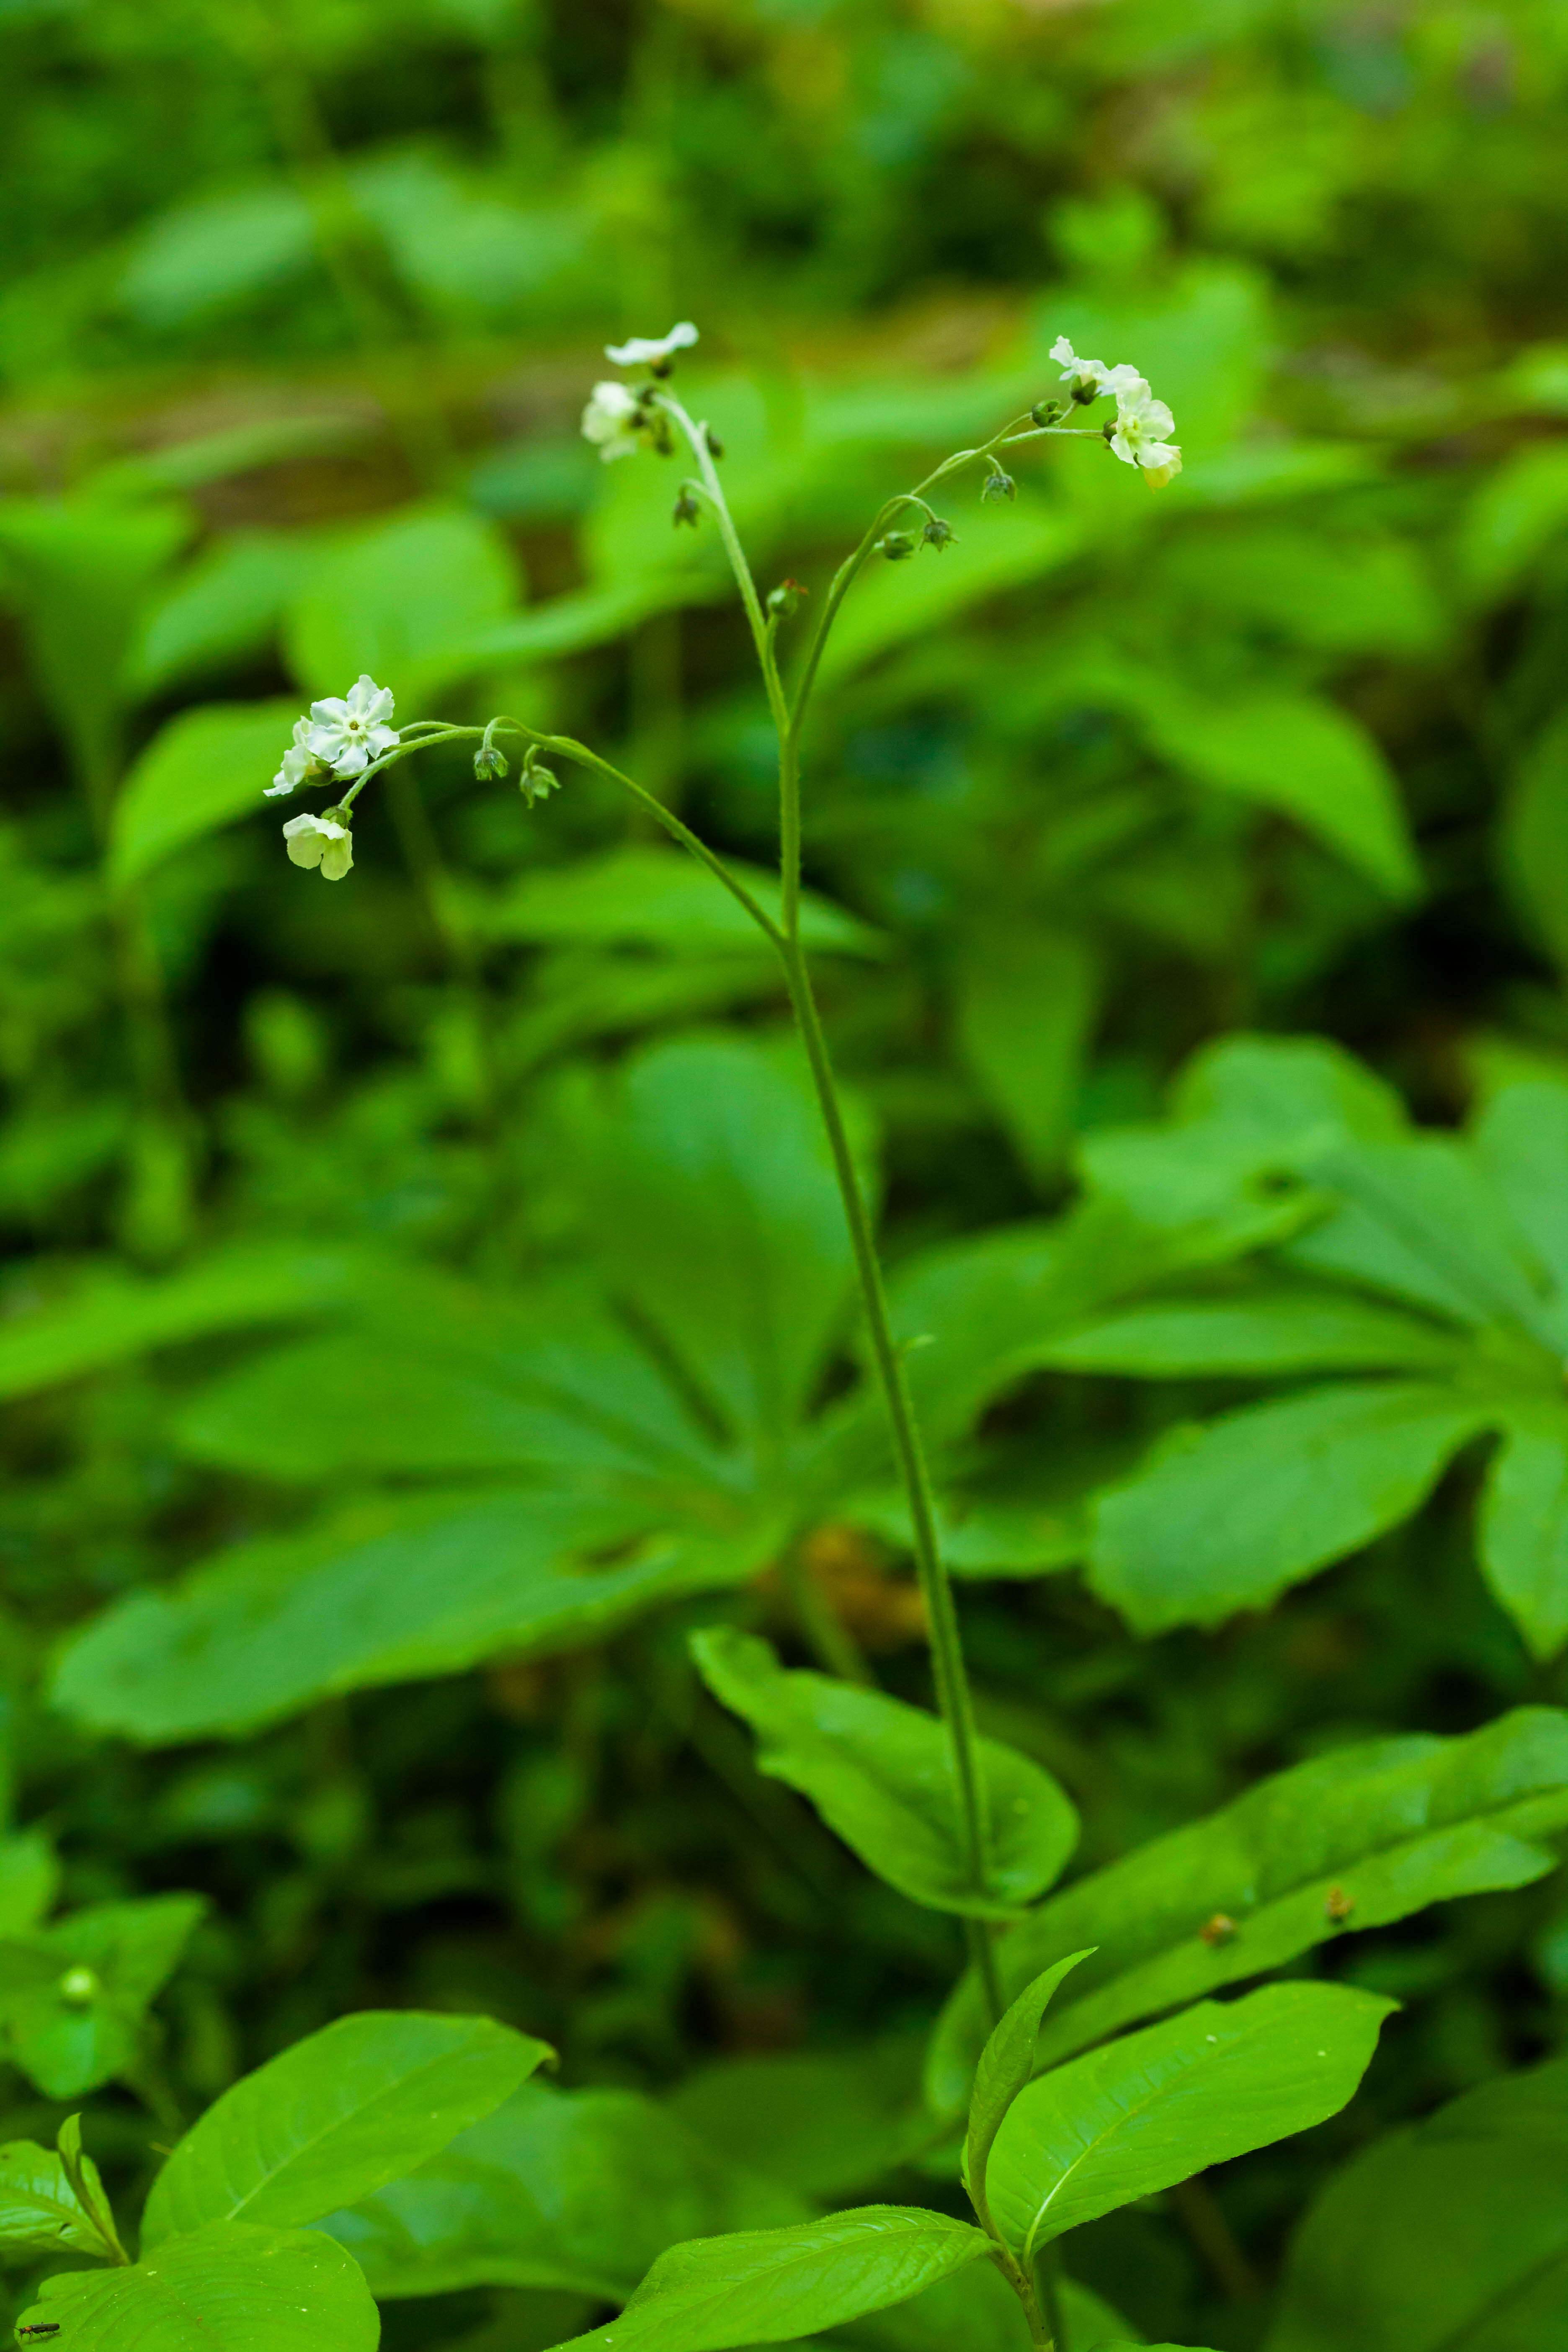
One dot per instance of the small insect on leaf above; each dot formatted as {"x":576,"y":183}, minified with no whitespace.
{"x":1221,"y":1929}
{"x":39,"y":2328}
{"x":1338,"y":1905}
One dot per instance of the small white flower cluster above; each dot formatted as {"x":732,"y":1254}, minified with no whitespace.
{"x":1142,"y":421}
{"x":342,"y":736}
{"x":616,"y":418}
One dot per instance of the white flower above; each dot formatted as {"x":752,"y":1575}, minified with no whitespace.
{"x":296,"y":762}
{"x":350,"y":731}
{"x":320,"y":841}
{"x":644,"y":351}
{"x":1118,"y":380}
{"x":611,"y":419}
{"x":1141,"y":424}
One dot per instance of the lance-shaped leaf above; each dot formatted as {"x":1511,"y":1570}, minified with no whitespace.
{"x":766,"y":2286}
{"x":1382,"y":1829}
{"x":229,"y":2288}
{"x":574,"y":2191}
{"x":335,"y":2117}
{"x":1300,"y":1328}
{"x":42,"y":2208}
{"x":1521,"y":1142}
{"x":1524,"y":1524}
{"x":73,"y":1997}
{"x":1006,"y":2064}
{"x":1450,"y":2235}
{"x":880,"y":1773}
{"x":1225,"y":1517}
{"x":1151,"y":2109}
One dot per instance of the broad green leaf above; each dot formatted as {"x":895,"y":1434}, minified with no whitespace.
{"x":227,"y":2288}
{"x":40,"y":2210}
{"x":1449,"y":2235}
{"x":1521,"y":1142}
{"x":80,"y":572}
{"x":221,"y":610}
{"x":721,"y":1223}
{"x":768,"y":2286}
{"x":335,"y":2117}
{"x":1516,"y":512}
{"x":207,"y":767}
{"x":578,"y":2190}
{"x":1226,"y":1517}
{"x":395,"y":598}
{"x":1027,"y":1004}
{"x":880,"y":1774}
{"x":662,"y":898}
{"x":1307,"y":758}
{"x":29,"y":1880}
{"x":824,"y":2123}
{"x":1524,"y":1525}
{"x":196,"y":256}
{"x":110,"y":1317}
{"x":386,"y":1593}
{"x":73,"y":1997}
{"x":1006,"y":2064}
{"x":587,"y":617}
{"x":1285,"y":1329}
{"x":1150,"y":2110}
{"x":1535,"y":834}
{"x":998,"y":547}
{"x":1388,"y":1827}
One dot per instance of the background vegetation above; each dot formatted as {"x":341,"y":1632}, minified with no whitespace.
{"x":298,"y":310}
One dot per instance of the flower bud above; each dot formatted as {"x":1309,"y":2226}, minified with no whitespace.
{"x":938,"y":533}
{"x":1045,"y":412}
{"x":688,"y":508}
{"x":1085,"y":388}
{"x":998,"y":485}
{"x":78,"y":1987}
{"x":488,"y":762}
{"x":536,"y":781}
{"x":715,"y":446}
{"x":784,"y":601}
{"x":898,"y":546}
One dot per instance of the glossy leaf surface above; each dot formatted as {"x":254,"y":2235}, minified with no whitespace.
{"x":227,"y":2288}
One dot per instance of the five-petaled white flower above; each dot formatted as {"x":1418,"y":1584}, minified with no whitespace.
{"x":613,"y":419}
{"x":645,"y":351}
{"x":1118,"y":380}
{"x":298,"y":762}
{"x":1141,"y":424}
{"x":348,"y":732}
{"x":320,"y":841}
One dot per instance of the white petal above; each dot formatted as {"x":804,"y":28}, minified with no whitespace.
{"x":333,"y":709}
{"x":1123,"y":449}
{"x":364,"y":697}
{"x":381,"y":738}
{"x":337,"y":857}
{"x":282,"y":782}
{"x":323,"y":742}
{"x":350,"y":760}
{"x":1124,"y":381}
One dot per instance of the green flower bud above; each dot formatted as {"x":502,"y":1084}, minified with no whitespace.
{"x":536,"y":781}
{"x":938,"y":534}
{"x":688,"y":508}
{"x":1045,"y":412}
{"x":998,"y":485}
{"x":898,"y":546}
{"x":488,"y":762}
{"x":78,"y":1987}
{"x":785,"y":599}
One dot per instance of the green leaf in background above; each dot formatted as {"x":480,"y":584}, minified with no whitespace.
{"x":1388,"y":1827}
{"x":1521,"y":1143}
{"x":1534,"y":843}
{"x":80,"y":572}
{"x":222,"y":609}
{"x":1524,"y":1524}
{"x":1276,"y":1328}
{"x":880,"y":1774}
{"x":998,"y":547}
{"x":661,"y":899}
{"x":335,"y":2117}
{"x":1026,"y":1005}
{"x":74,"y":1997}
{"x":824,"y":2123}
{"x":205,"y":767}
{"x":382,"y":1592}
{"x":42,"y":2210}
{"x":1148,"y":2111}
{"x":768,"y":2286}
{"x":720,"y":1222}
{"x":1449,"y":2235}
{"x":568,"y":2189}
{"x":1520,"y":508}
{"x":1227,"y":1516}
{"x":229,"y":2288}
{"x":975,"y":2310}
{"x":111,"y":1316}
{"x":1006,"y":2064}
{"x":400,"y":598}
{"x":1307,"y":758}
{"x":29,"y":1880}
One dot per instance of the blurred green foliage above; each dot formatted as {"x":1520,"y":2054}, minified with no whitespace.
{"x":299,"y":1188}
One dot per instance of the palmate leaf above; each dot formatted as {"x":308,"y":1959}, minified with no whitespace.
{"x":1389,"y":1826}
{"x":1449,"y":2235}
{"x":1150,"y":2110}
{"x":768,"y":2286}
{"x":574,"y":2191}
{"x":1524,"y":1524}
{"x":227,"y":2288}
{"x":385,"y":1592}
{"x":880,"y":1774}
{"x":335,"y":2117}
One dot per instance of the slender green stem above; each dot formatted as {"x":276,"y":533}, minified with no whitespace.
{"x":982,"y":1959}
{"x":1021,"y":2279}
